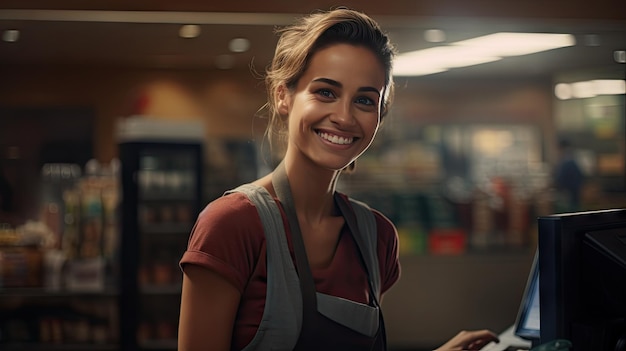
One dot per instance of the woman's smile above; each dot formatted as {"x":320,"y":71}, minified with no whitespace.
{"x":335,"y":139}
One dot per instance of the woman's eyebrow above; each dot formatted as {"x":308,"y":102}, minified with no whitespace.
{"x":339,"y":85}
{"x":372,"y":89}
{"x":329,"y":81}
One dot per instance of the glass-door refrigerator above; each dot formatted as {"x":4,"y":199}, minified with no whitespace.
{"x":161,"y":171}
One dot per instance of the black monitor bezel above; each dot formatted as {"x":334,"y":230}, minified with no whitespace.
{"x":560,"y":243}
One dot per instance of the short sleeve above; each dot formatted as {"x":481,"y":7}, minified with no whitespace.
{"x":227,"y":238}
{"x":388,"y":253}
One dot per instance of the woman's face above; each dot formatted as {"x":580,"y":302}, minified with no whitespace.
{"x":334,"y":110}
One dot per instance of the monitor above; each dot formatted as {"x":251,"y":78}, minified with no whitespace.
{"x":528,"y":321}
{"x":582,"y":260}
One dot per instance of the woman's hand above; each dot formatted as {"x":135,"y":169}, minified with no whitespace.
{"x":469,"y":340}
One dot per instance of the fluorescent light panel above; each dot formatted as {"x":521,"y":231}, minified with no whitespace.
{"x":479,"y":50}
{"x":589,"y":88}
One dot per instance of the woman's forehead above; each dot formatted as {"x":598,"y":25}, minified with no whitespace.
{"x":347,"y":64}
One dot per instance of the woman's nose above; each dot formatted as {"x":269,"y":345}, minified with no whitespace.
{"x":343,"y":114}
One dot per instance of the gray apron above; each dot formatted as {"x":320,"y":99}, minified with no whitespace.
{"x":296,"y":316}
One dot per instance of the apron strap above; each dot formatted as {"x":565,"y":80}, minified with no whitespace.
{"x":307,"y":284}
{"x":362,"y":224}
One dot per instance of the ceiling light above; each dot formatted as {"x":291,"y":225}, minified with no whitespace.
{"x":517,"y":44}
{"x":404,"y":66}
{"x":435,"y":36}
{"x":11,"y":35}
{"x":591,"y":40}
{"x":239,"y":45}
{"x":438,"y":59}
{"x":479,"y":50}
{"x":609,"y":86}
{"x":563,"y":91}
{"x":590,"y":88}
{"x":583,"y":90}
{"x":189,"y":31}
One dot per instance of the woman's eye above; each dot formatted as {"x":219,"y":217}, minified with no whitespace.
{"x":326,"y":93}
{"x":364,"y":100}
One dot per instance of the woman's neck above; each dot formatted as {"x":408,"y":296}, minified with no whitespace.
{"x":312,"y":188}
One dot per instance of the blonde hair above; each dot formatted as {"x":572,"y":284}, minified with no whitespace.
{"x":300,"y":41}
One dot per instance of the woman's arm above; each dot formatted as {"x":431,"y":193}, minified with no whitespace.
{"x":208,"y":307}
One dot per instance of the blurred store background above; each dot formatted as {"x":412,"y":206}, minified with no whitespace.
{"x":119,"y":121}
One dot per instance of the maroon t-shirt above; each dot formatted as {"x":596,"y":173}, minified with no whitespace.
{"x":228,"y":238}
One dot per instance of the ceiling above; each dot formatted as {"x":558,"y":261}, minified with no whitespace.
{"x":143,"y":34}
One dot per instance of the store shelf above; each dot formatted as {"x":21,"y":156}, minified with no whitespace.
{"x":155,"y":197}
{"x":41,"y":292}
{"x":169,"y":344}
{"x":166,"y":228}
{"x":32,"y":346}
{"x":160,"y":205}
{"x":174,"y":289}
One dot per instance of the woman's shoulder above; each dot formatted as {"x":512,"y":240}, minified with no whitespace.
{"x":227,"y":238}
{"x":229,"y":208}
{"x":228,"y":223}
{"x":230,"y":202}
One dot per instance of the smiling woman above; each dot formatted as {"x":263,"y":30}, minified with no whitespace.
{"x":287,"y":262}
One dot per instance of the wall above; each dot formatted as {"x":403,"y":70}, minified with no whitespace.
{"x":226,"y":102}
{"x":438,"y":296}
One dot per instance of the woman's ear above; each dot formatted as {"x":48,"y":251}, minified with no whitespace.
{"x":283,"y":100}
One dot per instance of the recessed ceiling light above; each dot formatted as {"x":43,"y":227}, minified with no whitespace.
{"x":591,"y":40}
{"x":239,"y":45}
{"x":435,"y":35}
{"x":11,"y":35}
{"x":189,"y":31}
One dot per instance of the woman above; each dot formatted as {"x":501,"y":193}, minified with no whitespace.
{"x":329,"y":86}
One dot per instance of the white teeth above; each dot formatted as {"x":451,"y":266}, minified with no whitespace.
{"x":336,"y":139}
